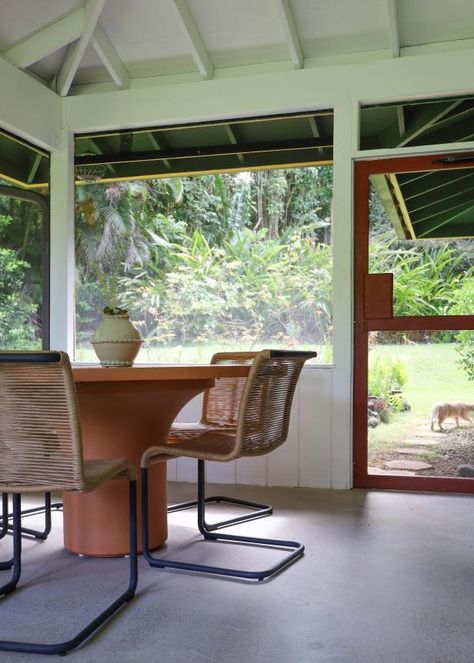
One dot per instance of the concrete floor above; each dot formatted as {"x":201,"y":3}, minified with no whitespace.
{"x":387,"y":578}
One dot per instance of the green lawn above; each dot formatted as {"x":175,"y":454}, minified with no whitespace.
{"x":200,"y":354}
{"x":433,"y":375}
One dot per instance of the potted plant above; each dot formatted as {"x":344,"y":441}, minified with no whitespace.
{"x":116,"y":341}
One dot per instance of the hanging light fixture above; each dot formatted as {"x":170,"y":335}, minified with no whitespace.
{"x":90,"y":172}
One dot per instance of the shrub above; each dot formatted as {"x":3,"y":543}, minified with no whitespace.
{"x":465,"y":339}
{"x":17,"y":311}
{"x":386,"y":376}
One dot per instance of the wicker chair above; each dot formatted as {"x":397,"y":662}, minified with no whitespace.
{"x":220,"y":410}
{"x":41,"y":451}
{"x":262,"y":426}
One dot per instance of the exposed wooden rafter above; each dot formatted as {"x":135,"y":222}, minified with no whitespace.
{"x":231,"y":134}
{"x":34,"y":167}
{"x":48,"y":39}
{"x":203,"y":152}
{"x":198,"y":49}
{"x":313,"y":123}
{"x":75,"y":52}
{"x":291,"y":33}
{"x":427,"y":119}
{"x":393,"y":28}
{"x":107,"y":53}
{"x":158,"y":146}
{"x":416,"y":124}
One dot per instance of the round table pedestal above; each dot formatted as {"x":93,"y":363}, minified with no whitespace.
{"x":120,"y":420}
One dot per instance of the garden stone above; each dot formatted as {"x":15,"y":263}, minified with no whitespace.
{"x":378,"y":471}
{"x":427,"y":434}
{"x":415,"y":465}
{"x":413,"y":451}
{"x":373,"y":421}
{"x":422,"y":443}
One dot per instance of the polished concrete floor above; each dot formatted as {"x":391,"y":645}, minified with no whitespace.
{"x":387,"y":578}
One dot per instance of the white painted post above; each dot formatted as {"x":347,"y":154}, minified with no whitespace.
{"x":345,"y":145}
{"x":62,"y":245}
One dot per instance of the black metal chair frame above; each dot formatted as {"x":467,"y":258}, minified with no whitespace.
{"x":6,"y":526}
{"x":297,"y":549}
{"x":257,"y":510}
{"x":62,"y":648}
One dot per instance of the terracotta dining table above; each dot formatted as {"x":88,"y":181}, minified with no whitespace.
{"x":123,"y":411}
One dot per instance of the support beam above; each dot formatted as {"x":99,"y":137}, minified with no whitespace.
{"x":35,"y":122}
{"x":198,"y":49}
{"x":233,"y":139}
{"x":107,"y":53}
{"x":401,"y":120}
{"x":393,"y":28}
{"x":315,"y":130}
{"x":38,"y":45}
{"x":124,"y":156}
{"x":97,"y":150}
{"x":291,"y":34}
{"x":426,"y":118}
{"x":157,"y":146}
{"x":34,"y":167}
{"x":62,"y":245}
{"x":92,"y":11}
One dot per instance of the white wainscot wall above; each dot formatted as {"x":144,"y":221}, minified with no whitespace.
{"x":304,"y":459}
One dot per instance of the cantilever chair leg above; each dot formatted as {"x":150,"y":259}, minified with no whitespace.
{"x":62,"y":648}
{"x":257,"y":510}
{"x":7,"y":565}
{"x":37,"y":534}
{"x":296,"y":549}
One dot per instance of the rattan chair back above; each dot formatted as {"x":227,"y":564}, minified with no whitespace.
{"x":221,"y":404}
{"x":40,"y":435}
{"x":264,"y":413}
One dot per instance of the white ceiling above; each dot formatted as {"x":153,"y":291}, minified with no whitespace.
{"x":70,"y":43}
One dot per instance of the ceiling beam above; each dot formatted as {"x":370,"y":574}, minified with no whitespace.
{"x":92,"y":11}
{"x":313,"y":123}
{"x":401,"y":120}
{"x":157,"y":146}
{"x":393,"y":28}
{"x":291,"y":33}
{"x":107,"y":53}
{"x":233,"y":139}
{"x":431,"y":232}
{"x":201,"y":152}
{"x":198,"y":49}
{"x":41,"y":43}
{"x":34,"y":167}
{"x":427,"y":118}
{"x":416,"y":124}
{"x":98,"y":150}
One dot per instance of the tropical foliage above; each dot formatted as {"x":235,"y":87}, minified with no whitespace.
{"x":218,"y":258}
{"x":20,"y":274}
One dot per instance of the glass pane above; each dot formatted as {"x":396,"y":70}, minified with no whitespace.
{"x":236,"y":261}
{"x":421,"y":403}
{"x":421,"y":230}
{"x":21,"y":270}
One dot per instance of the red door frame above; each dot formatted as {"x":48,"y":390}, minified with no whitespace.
{"x":363,"y":325}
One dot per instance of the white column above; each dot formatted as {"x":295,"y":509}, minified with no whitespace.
{"x":62,"y":245}
{"x":345,"y":145}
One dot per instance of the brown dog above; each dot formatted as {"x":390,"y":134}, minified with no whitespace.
{"x":442,"y":411}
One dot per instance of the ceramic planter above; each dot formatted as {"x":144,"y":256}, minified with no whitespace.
{"x":116,"y":341}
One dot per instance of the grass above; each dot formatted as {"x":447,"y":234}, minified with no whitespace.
{"x":433,"y":375}
{"x":200,"y":354}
